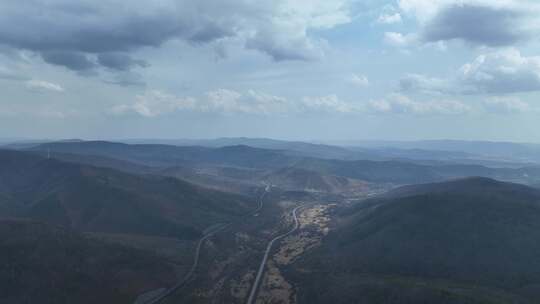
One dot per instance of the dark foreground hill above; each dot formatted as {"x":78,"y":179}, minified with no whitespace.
{"x":51,"y":265}
{"x":95,"y":199}
{"x":467,"y":241}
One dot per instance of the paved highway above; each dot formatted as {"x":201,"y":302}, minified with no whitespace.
{"x":197,"y":255}
{"x":255,"y":286}
{"x":188,"y":276}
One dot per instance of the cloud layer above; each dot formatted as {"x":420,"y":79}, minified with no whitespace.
{"x":500,"y":72}
{"x":493,"y":23}
{"x":40,"y":85}
{"x":224,"y":101}
{"x":86,"y":34}
{"x":476,"y":24}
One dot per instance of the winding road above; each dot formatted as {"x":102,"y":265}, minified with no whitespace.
{"x":197,"y":255}
{"x":188,"y":276}
{"x":255,"y":286}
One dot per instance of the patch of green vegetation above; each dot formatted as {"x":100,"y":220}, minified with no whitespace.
{"x":392,"y":289}
{"x":47,"y":264}
{"x":95,"y":199}
{"x":475,"y":232}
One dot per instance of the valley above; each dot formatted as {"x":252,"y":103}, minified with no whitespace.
{"x":269,"y":152}
{"x":249,"y":225}
{"x":259,"y":249}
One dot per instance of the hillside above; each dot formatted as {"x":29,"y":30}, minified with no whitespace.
{"x":50,"y":265}
{"x":292,"y":178}
{"x":402,"y":172}
{"x":476,"y":233}
{"x":319,"y":150}
{"x":290,"y":147}
{"x":167,"y":155}
{"x":103,"y":162}
{"x":227,"y":179}
{"x":104,"y":200}
{"x":223,"y":178}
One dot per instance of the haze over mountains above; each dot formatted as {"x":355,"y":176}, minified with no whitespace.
{"x":297,"y":155}
{"x":508,"y":150}
{"x":270,"y":152}
{"x":362,"y":149}
{"x":388,"y":229}
{"x":443,"y":150}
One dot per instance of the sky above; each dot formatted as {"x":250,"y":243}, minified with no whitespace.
{"x":297,"y":69}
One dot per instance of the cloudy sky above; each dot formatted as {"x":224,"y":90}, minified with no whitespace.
{"x":291,"y":69}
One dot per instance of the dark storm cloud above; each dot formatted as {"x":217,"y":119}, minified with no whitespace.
{"x":97,"y":30}
{"x":70,"y":33}
{"x":71,"y":60}
{"x":65,"y":33}
{"x":475,"y":24}
{"x":119,"y":61}
{"x":209,"y":33}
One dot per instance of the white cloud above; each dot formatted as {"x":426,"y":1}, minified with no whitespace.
{"x":228,"y":101}
{"x":392,"y":104}
{"x":358,"y":80}
{"x":329,"y":103}
{"x":401,"y":104}
{"x":41,"y":85}
{"x":399,"y":40}
{"x":225,"y":101}
{"x":500,"y":72}
{"x":423,"y":10}
{"x":506,"y":105}
{"x":428,"y":85}
{"x":281,"y":29}
{"x":154,"y":103}
{"x":389,"y":18}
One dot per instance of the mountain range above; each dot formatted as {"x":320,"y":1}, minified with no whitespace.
{"x":399,"y":172}
{"x":89,"y":198}
{"x":472,"y":240}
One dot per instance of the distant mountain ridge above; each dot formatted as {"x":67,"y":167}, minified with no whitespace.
{"x":454,"y":151}
{"x":166,"y":155}
{"x":291,"y":147}
{"x":480,"y":152}
{"x":508,"y":150}
{"x":399,"y":172}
